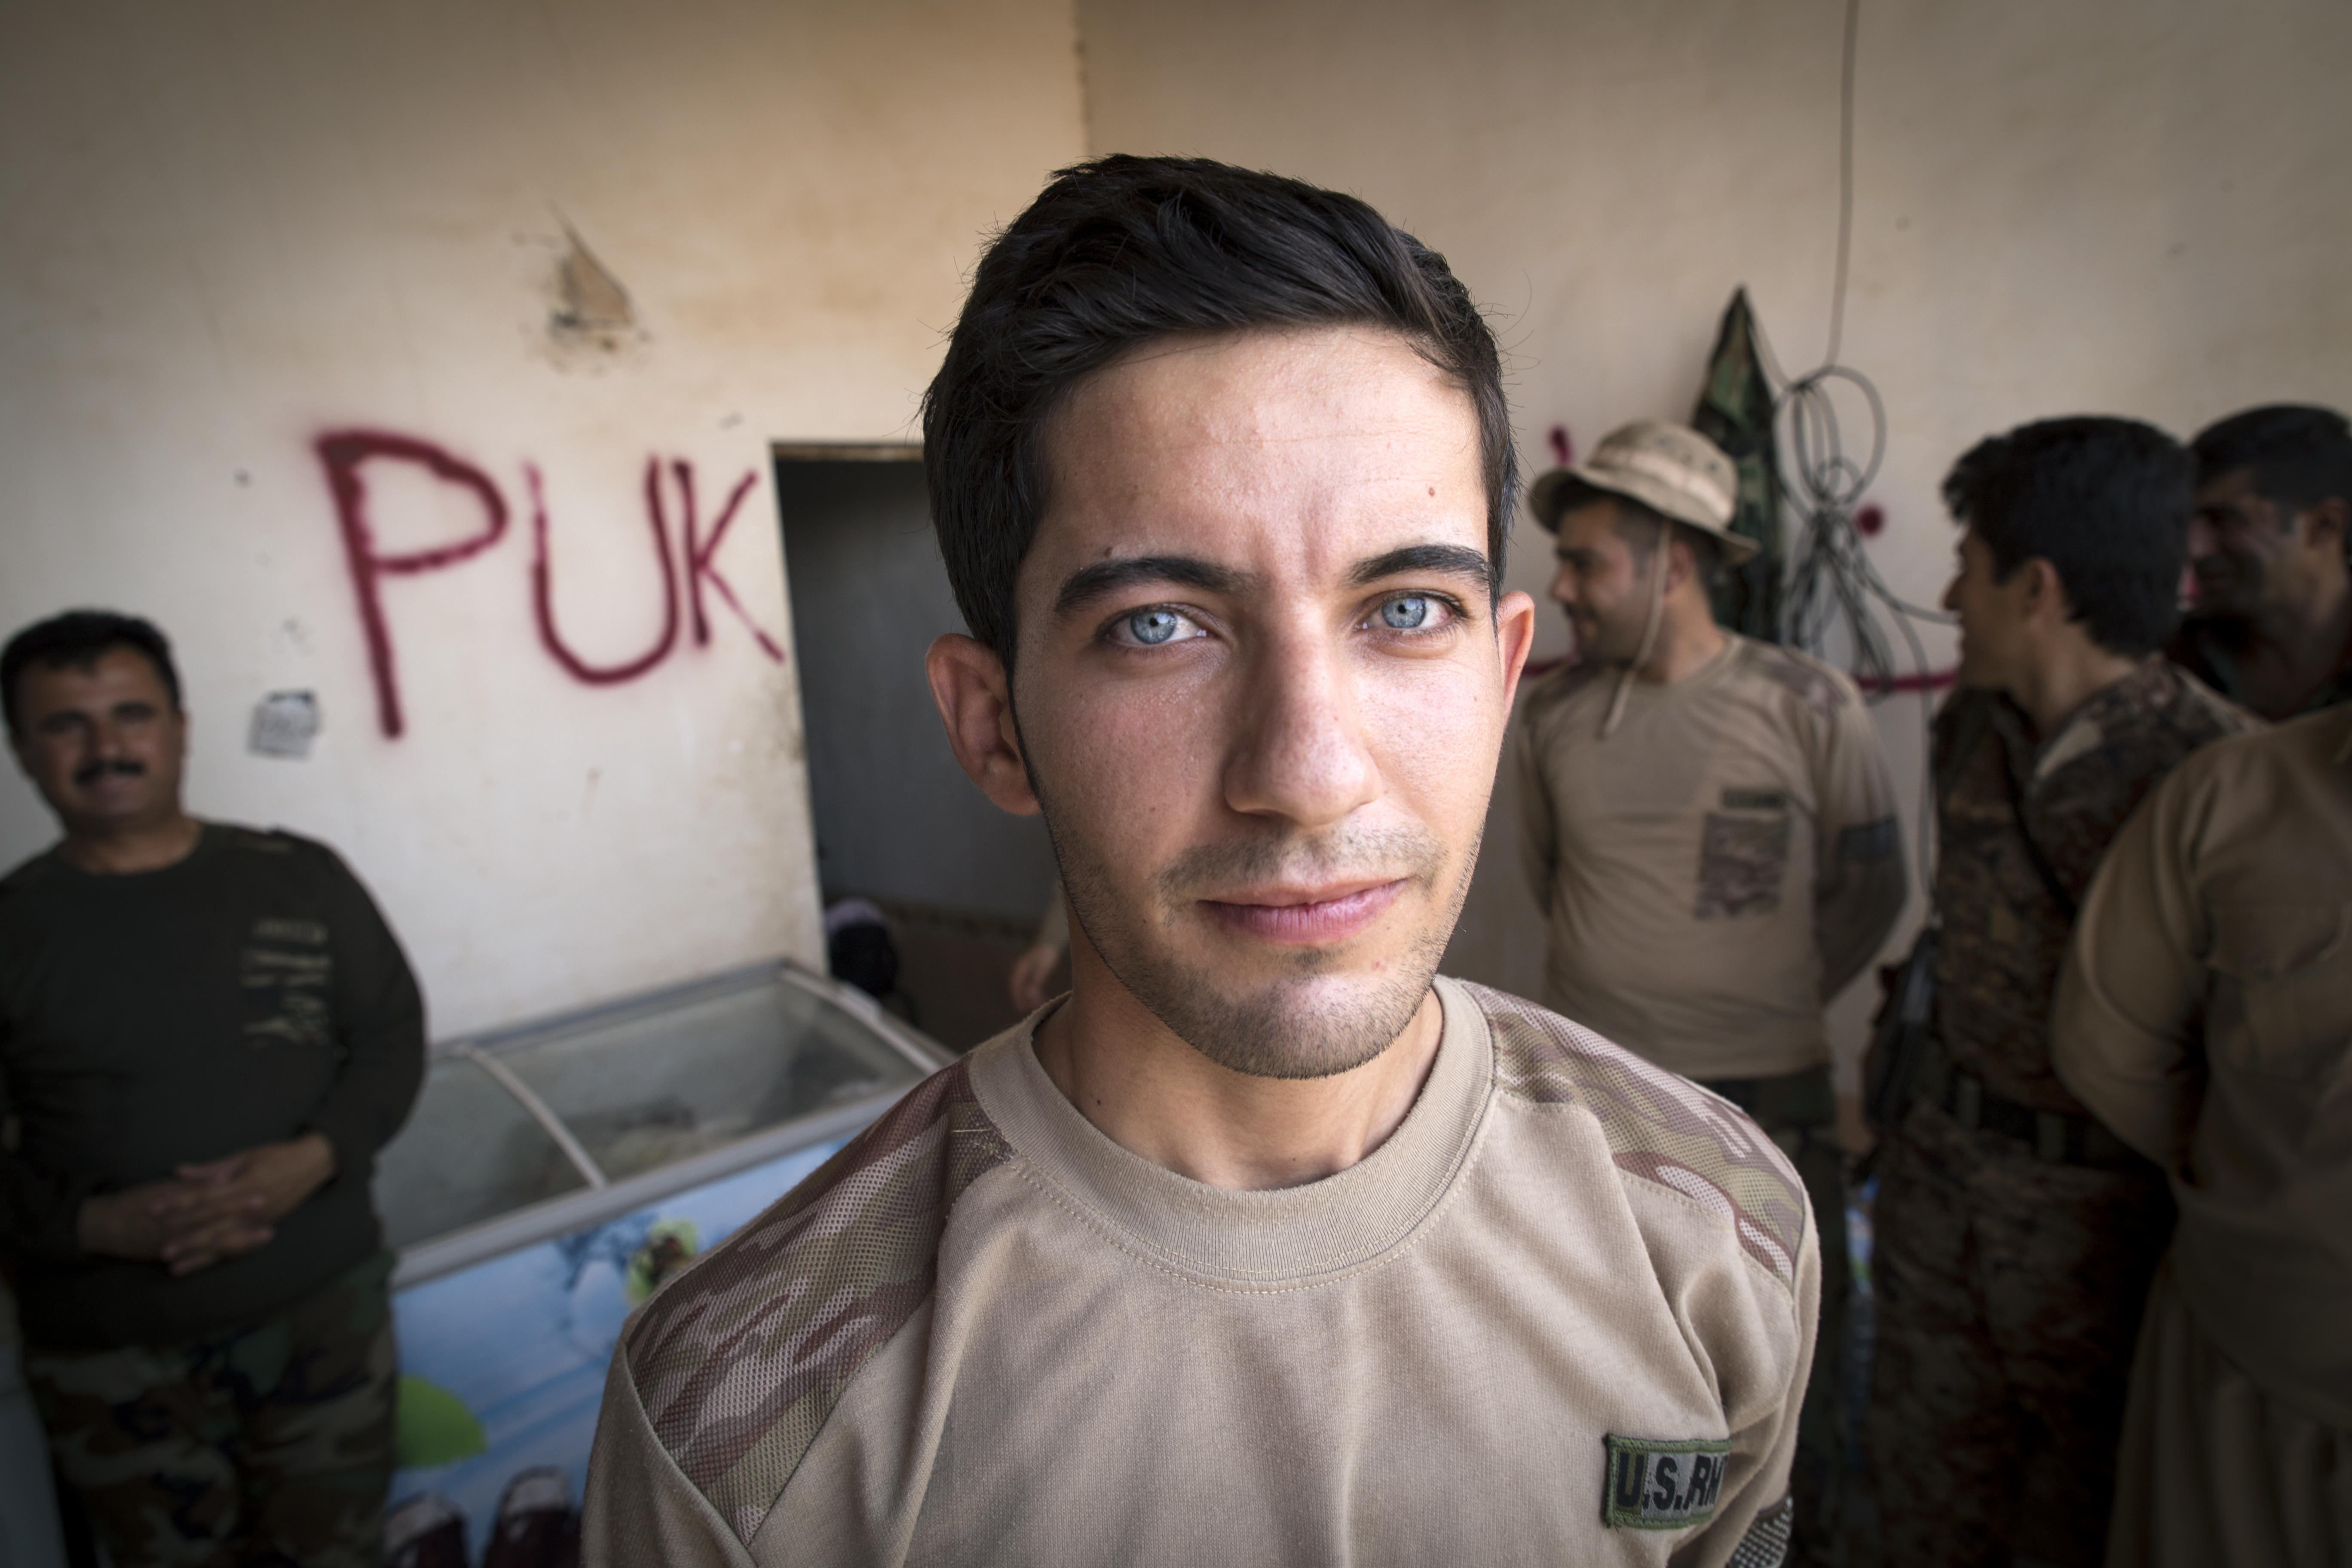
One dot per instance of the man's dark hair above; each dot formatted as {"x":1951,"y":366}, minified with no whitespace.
{"x":2104,"y":500}
{"x":74,"y":640}
{"x":1125,"y":251}
{"x":2300,"y":455}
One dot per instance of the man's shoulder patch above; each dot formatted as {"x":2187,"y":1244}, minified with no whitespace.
{"x":1661,"y":1127}
{"x":1662,"y":1483}
{"x":741,"y":1360}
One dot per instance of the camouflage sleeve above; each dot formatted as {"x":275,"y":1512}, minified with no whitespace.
{"x":1539,"y":833}
{"x":379,"y":1022}
{"x":1859,"y":883}
{"x":637,"y":1506}
{"x":2124,"y":1029}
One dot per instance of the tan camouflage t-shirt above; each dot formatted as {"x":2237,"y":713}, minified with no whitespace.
{"x":1563,"y":1314}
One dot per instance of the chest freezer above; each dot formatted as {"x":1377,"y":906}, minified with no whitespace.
{"x":551,"y":1177}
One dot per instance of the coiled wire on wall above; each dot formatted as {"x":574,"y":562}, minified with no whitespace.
{"x":1832,"y":582}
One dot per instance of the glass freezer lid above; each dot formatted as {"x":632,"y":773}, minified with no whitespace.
{"x":568,"y":1109}
{"x":470,"y":1152}
{"x":643,"y":1091}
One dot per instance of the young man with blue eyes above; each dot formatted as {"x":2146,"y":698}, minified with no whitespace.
{"x":1264,"y":1243}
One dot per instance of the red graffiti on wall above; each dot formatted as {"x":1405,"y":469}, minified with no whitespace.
{"x":698,"y":569}
{"x":542,"y":588}
{"x":344,"y":454}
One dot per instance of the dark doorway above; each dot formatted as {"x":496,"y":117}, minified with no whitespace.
{"x":896,"y":821}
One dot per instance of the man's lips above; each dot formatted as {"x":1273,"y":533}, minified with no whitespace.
{"x":1305,"y":917}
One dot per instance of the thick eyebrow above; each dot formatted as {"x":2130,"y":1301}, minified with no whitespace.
{"x":1088,"y":583}
{"x":1447,"y":560}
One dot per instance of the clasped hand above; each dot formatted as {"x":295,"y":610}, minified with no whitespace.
{"x":203,"y":1214}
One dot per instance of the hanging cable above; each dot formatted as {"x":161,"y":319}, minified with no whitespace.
{"x":1832,"y":582}
{"x":1845,"y":180}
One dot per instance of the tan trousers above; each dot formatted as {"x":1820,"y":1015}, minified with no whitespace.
{"x":2215,"y":1473}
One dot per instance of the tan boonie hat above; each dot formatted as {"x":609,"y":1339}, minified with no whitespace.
{"x":1670,"y":469}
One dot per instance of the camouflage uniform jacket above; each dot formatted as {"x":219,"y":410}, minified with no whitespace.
{"x":1564,"y":1313}
{"x":2004,"y":932}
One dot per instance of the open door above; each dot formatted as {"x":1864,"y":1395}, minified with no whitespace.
{"x":896,"y":821}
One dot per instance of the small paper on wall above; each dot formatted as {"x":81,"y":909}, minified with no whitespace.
{"x":284,"y":725}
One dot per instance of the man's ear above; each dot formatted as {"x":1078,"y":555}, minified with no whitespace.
{"x":2324,"y":524}
{"x":2043,"y":592}
{"x":975,"y":702}
{"x":1682,"y":564}
{"x":1514,"y":635}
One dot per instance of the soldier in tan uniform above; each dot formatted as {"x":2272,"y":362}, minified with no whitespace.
{"x":1708,"y":825}
{"x":1264,"y":1244}
{"x":2206,"y":1014}
{"x":2016,"y":1234}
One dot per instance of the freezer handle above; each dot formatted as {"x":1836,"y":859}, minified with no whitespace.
{"x":538,"y":1112}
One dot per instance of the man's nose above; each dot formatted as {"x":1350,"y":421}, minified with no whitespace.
{"x":1563,"y":586}
{"x":1951,"y":599}
{"x":2200,"y":538}
{"x":1298,"y":751}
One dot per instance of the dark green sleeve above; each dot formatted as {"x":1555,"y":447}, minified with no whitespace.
{"x":379,"y":1022}
{"x":40,"y":1211}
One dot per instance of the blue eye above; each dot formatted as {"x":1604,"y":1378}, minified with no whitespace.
{"x":1406,"y":615}
{"x":1152,"y":627}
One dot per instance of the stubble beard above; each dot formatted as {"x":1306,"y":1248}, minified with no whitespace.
{"x":1296,"y":1025}
{"x":2237,"y":596}
{"x":1609,"y":641}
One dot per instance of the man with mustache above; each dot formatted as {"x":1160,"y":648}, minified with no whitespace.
{"x":206,"y":1034}
{"x":1708,"y":824}
{"x":1264,"y":1244}
{"x":2273,"y":623}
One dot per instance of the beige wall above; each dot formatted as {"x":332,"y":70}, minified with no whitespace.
{"x":234,"y":225}
{"x":2062,"y":205}
{"x":237,"y":225}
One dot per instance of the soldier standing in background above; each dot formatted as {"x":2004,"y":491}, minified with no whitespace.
{"x":2273,"y":624}
{"x":2017,"y":1234}
{"x":205,"y":1034}
{"x":1708,"y":825}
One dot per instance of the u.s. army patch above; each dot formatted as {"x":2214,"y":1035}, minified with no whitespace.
{"x":1660,"y":1483}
